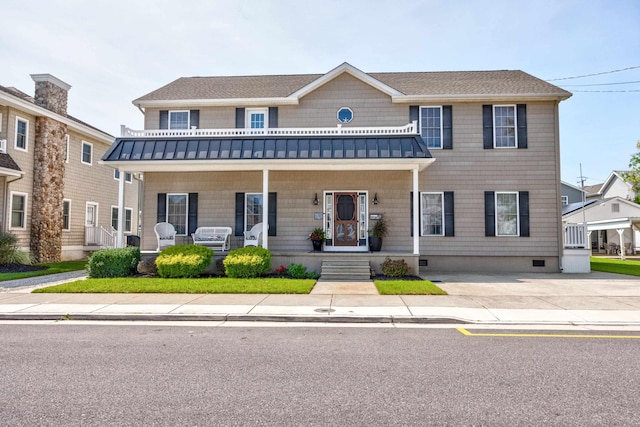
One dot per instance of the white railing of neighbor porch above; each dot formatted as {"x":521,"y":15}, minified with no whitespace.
{"x":575,"y":236}
{"x":408,"y":129}
{"x":105,"y":237}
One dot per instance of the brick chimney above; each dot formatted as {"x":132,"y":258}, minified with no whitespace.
{"x":51,"y":93}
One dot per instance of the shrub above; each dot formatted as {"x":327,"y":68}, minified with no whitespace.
{"x":297,"y":271}
{"x":251,"y":261}
{"x":183,"y":261}
{"x":394,"y":268}
{"x":9,"y":253}
{"x":120,"y":262}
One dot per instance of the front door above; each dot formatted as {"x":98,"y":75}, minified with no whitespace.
{"x":346,"y":219}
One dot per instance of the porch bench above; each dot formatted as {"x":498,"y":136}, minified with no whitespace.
{"x":214,"y":237}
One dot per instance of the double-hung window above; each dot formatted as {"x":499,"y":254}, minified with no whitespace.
{"x":432,"y":214}
{"x":431,"y":126}
{"x":507,"y":214}
{"x":18,"y":210}
{"x":253,"y":210}
{"x":66,"y":215}
{"x":22,"y":134}
{"x":87,"y":153}
{"x":179,"y":119}
{"x":505,"y":125}
{"x":177,"y":205}
{"x":257,"y":118}
{"x":128,"y":212}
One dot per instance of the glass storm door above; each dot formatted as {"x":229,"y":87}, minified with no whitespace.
{"x":346,"y":219}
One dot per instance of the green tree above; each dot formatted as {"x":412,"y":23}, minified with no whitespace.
{"x":632,"y":176}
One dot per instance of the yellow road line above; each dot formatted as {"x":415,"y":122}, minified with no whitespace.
{"x":539,"y":335}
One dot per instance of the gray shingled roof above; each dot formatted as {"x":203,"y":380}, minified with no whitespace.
{"x":7,"y":162}
{"x":409,"y":83}
{"x":261,"y":148}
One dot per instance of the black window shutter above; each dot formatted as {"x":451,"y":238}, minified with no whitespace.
{"x":161,"y":215}
{"x":194,"y":118}
{"x":273,"y":209}
{"x":487,"y":126}
{"x":411,"y":210}
{"x":414,"y":113}
{"x":193,"y":212}
{"x":447,"y":127}
{"x":489,"y":213}
{"x":522,"y":125}
{"x":273,"y":119}
{"x":164,"y":119}
{"x":449,"y":224}
{"x":239,"y":118}
{"x":239,"y":214}
{"x":523,"y":197}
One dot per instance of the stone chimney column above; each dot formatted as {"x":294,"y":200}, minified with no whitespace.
{"x":48,"y":172}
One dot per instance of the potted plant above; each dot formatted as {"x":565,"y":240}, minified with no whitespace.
{"x":317,"y":236}
{"x":376,"y":234}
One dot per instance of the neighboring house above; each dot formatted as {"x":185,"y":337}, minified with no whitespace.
{"x":56,"y":199}
{"x":464,"y":166}
{"x":612,"y":216}
{"x":571,"y":194}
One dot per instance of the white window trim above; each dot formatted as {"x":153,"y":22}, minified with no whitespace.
{"x":116,"y":174}
{"x":82,"y":153}
{"x":495,"y":204}
{"x":130,"y":180}
{"x":26,"y":135}
{"x":441,"y":124}
{"x":564,"y":200}
{"x":441,"y":212}
{"x":249,"y":111}
{"x":0,"y":122}
{"x":179,"y":111}
{"x":515,"y":126}
{"x":68,"y":145}
{"x":24,"y":219}
{"x":186,"y":220}
{"x":69,"y":201}
{"x":246,"y":198}
{"x":131,"y":222}
{"x":113,"y":207}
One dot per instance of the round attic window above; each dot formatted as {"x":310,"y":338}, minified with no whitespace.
{"x":345,"y":115}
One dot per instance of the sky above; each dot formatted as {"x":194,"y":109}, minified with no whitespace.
{"x":112,"y":52}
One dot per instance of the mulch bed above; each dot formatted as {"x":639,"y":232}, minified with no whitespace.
{"x":383,"y":277}
{"x":20,"y":268}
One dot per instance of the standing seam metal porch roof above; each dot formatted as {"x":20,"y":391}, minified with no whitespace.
{"x":257,"y":148}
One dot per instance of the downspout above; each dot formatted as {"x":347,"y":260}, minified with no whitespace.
{"x":6,"y":199}
{"x":560,"y":231}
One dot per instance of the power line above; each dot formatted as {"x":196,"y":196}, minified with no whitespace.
{"x":595,"y":74}
{"x":603,"y":84}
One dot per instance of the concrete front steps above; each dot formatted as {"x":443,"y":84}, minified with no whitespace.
{"x":345,"y":270}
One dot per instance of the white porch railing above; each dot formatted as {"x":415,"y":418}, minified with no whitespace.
{"x":105,"y":237}
{"x":575,"y":236}
{"x":408,"y":129}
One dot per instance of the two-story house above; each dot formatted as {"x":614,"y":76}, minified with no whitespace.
{"x":463,"y":166}
{"x":56,"y":199}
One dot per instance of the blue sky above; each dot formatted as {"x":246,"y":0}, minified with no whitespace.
{"x":114,"y":51}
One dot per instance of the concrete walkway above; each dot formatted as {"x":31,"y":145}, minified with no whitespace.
{"x":522,"y":299}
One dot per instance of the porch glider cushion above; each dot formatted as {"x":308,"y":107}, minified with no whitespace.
{"x":261,"y":147}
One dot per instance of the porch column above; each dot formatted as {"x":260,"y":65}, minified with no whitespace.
{"x":621,"y":235}
{"x":416,"y":212}
{"x":120,"y":234}
{"x":265,"y":208}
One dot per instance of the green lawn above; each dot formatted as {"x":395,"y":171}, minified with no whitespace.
{"x":54,"y":267}
{"x":407,"y":287}
{"x":217,"y":285}
{"x":610,"y":265}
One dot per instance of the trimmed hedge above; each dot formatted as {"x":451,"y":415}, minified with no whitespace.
{"x":183,"y":261}
{"x":394,"y":268}
{"x":120,"y":262}
{"x":246,"y":262}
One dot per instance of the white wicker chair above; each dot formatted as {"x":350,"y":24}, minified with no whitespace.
{"x":166,"y":234}
{"x":253,"y":237}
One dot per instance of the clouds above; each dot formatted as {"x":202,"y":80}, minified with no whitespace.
{"x":112,"y":52}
